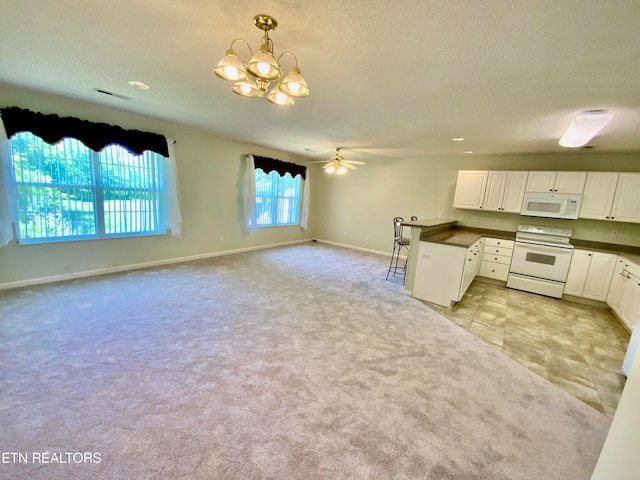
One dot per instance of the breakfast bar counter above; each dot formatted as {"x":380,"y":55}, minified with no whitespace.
{"x":426,"y":227}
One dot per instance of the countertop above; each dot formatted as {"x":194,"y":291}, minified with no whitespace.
{"x":429,"y":222}
{"x":464,"y":237}
{"x":630,"y":253}
{"x":454,"y":237}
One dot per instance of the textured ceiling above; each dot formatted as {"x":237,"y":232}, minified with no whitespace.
{"x":392,"y":78}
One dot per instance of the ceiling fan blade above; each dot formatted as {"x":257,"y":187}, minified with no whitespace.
{"x":350,"y":167}
{"x":319,"y":161}
{"x":354,"y":162}
{"x":327,"y":165}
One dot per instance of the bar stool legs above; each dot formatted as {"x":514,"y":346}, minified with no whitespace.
{"x":395,"y":260}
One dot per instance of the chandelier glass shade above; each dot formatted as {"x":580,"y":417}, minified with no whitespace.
{"x":253,"y":77}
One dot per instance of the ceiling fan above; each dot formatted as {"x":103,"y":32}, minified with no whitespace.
{"x":337,"y":164}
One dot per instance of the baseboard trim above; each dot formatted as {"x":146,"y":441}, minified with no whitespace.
{"x":139,"y":266}
{"x":353,"y":247}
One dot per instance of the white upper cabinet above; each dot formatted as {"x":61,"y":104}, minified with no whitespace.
{"x":612,"y":196}
{"x":599,"y":192}
{"x":470,"y":189}
{"x":505,"y":191}
{"x":626,"y":204}
{"x":541,"y":181}
{"x":556,"y":182}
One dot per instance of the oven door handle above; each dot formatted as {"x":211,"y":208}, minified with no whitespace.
{"x":544,"y":248}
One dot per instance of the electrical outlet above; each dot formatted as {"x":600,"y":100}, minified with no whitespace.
{"x":221,"y":237}
{"x":614,"y":233}
{"x":366,"y":237}
{"x":475,"y":219}
{"x":439,"y":215}
{"x":498,"y":221}
{"x":461,"y":217}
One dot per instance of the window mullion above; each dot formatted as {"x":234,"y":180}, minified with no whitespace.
{"x":98,"y":194}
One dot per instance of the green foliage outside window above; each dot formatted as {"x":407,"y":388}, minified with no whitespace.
{"x":67,"y":191}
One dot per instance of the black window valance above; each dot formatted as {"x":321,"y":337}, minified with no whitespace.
{"x":267,"y":165}
{"x":53,"y":128}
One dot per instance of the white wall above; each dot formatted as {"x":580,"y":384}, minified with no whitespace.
{"x":358,"y":208}
{"x":209,"y":174}
{"x":619,"y":459}
{"x":355,"y":209}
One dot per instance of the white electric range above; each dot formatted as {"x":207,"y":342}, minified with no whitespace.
{"x":541,"y":258}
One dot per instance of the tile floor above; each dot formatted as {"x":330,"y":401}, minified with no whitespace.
{"x":577,"y":347}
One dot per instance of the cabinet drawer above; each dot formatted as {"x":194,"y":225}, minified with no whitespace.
{"x":498,"y":271}
{"x":498,"y":242}
{"x":490,"y":250}
{"x":488,"y":257}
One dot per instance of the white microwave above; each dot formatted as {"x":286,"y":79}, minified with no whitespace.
{"x":551,"y":205}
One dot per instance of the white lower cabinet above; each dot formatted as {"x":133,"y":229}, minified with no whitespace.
{"x":590,"y":274}
{"x":496,"y":258}
{"x":624,"y":293}
{"x":444,"y":272}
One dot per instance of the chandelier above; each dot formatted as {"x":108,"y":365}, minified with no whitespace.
{"x":252,"y":78}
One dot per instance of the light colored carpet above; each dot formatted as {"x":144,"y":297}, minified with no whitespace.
{"x":291,"y":363}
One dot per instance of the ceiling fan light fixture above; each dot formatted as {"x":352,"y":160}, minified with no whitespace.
{"x":231,"y":68}
{"x":253,"y":78}
{"x":584,"y":127}
{"x":337,"y":164}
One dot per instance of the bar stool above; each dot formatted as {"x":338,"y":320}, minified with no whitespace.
{"x":399,"y":242}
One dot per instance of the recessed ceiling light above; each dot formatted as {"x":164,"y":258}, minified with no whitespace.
{"x":458,"y":139}
{"x":469,"y":151}
{"x":140,"y":85}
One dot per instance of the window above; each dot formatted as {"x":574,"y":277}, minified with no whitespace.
{"x":67,"y":191}
{"x":277,"y":199}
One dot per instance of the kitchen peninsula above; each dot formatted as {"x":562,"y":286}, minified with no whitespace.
{"x":445,"y":258}
{"x":421,"y":229}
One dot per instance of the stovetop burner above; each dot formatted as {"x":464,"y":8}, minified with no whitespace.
{"x":557,"y":237}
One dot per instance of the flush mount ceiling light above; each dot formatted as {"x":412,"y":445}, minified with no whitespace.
{"x":253,"y":77}
{"x":584,"y":127}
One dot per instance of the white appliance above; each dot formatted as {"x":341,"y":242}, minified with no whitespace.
{"x":540,"y":261}
{"x":632,"y":348}
{"x":551,"y":205}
